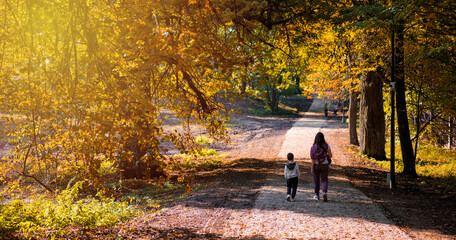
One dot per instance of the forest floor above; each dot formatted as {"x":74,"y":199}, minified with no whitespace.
{"x":244,"y":198}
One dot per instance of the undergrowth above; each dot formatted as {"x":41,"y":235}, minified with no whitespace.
{"x":71,"y":208}
{"x":202,"y":140}
{"x":259,"y":108}
{"x":151,"y":197}
{"x":63,"y":210}
{"x":282,"y":111}
{"x":434,"y":164}
{"x":201,"y":157}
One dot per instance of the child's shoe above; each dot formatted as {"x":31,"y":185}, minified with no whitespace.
{"x":316,"y":197}
{"x":325,"y":197}
{"x":288,"y":198}
{"x":292,"y":200}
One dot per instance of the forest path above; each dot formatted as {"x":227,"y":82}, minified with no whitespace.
{"x":246,"y":198}
{"x":348,"y":214}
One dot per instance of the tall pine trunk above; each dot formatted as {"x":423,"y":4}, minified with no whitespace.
{"x":402,"y":118}
{"x":372,"y":117}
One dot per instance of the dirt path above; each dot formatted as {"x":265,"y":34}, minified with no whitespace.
{"x":349,"y":214}
{"x":246,"y":200}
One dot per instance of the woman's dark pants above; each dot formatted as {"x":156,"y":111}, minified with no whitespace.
{"x":320,"y":176}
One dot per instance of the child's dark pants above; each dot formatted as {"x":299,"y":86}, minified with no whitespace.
{"x":292,"y":186}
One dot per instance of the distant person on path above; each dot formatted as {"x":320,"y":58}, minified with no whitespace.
{"x":291,"y":173}
{"x":320,"y":166}
{"x":326,"y":109}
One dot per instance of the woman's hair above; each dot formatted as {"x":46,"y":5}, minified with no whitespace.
{"x":319,"y":139}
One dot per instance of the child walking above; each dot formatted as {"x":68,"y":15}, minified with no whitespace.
{"x":291,"y":173}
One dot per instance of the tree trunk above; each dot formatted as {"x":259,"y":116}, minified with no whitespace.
{"x":243,"y":87}
{"x":298,"y":86}
{"x":353,"y":108}
{"x":450,"y":132}
{"x":141,"y":165}
{"x":244,"y":81}
{"x":272,"y":98}
{"x":372,"y":117}
{"x":273,"y":95}
{"x":353,"y":117}
{"x":401,"y":106}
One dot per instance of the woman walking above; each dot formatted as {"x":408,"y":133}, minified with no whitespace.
{"x":319,"y":153}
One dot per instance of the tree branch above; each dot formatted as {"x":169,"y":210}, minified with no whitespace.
{"x":419,"y":131}
{"x":24,"y":170}
{"x":188,"y":78}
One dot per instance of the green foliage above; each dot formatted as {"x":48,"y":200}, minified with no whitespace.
{"x":206,"y":152}
{"x":282,"y":111}
{"x":200,"y":152}
{"x":258,"y":112}
{"x":107,"y":168}
{"x":204,"y":158}
{"x":436,"y":163}
{"x":210,"y":163}
{"x":62,"y":211}
{"x":290,"y":90}
{"x":202,"y":140}
{"x":439,"y":163}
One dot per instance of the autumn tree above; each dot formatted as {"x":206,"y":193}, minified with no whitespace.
{"x":340,"y":52}
{"x":417,"y":23}
{"x":88,"y":82}
{"x":269,"y":33}
{"x":408,"y":19}
{"x":431,"y":91}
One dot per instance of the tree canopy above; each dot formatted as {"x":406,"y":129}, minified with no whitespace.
{"x":88,"y":81}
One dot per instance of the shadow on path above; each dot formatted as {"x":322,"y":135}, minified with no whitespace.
{"x":238,"y":186}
